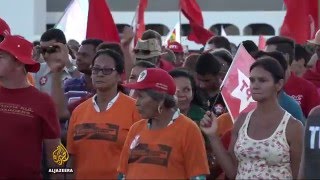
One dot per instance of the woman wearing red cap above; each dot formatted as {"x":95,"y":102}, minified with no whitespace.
{"x":166,"y":144}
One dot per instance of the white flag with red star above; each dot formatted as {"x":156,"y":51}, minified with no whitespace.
{"x":236,"y":85}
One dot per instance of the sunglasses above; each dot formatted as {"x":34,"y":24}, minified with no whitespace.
{"x":49,"y":49}
{"x":145,"y":52}
{"x":105,"y":71}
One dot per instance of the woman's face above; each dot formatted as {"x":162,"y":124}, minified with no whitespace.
{"x":262,"y":85}
{"x":147,"y":107}
{"x":104,"y":76}
{"x":183,"y":92}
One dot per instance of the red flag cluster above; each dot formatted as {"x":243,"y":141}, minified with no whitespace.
{"x":301,"y":20}
{"x":100,"y":23}
{"x":140,"y":26}
{"x":192,"y":12}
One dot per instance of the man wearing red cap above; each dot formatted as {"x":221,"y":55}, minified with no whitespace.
{"x":178,"y":52}
{"x":28,"y":116}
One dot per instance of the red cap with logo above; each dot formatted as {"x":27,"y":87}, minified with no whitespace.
{"x":175,"y":47}
{"x":21,"y":49}
{"x":156,"y":79}
{"x":4,"y":28}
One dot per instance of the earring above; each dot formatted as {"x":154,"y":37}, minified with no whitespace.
{"x":159,"y":109}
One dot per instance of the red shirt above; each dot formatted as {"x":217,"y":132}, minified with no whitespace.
{"x":304,"y":92}
{"x":313,"y":75}
{"x":28,"y":117}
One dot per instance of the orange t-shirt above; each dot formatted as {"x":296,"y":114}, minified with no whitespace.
{"x":225,"y":123}
{"x":174,"y":152}
{"x":96,"y":139}
{"x":30,"y":79}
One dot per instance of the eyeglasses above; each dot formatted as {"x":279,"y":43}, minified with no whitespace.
{"x":49,"y":49}
{"x":105,"y":71}
{"x":146,"y":52}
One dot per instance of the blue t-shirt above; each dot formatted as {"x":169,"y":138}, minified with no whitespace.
{"x":291,"y":105}
{"x":75,"y":89}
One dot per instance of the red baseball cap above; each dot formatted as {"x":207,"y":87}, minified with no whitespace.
{"x":155,"y":79}
{"x":175,"y":47}
{"x":21,"y":49}
{"x":4,"y":28}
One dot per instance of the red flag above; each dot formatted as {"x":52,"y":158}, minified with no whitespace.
{"x":262,"y":43}
{"x":100,"y":23}
{"x":301,"y":20}
{"x":192,"y":12}
{"x":235,"y":87}
{"x":140,"y":26}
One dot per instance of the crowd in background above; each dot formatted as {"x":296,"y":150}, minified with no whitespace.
{"x":154,"y":111}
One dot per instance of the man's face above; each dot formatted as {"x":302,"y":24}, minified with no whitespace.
{"x":179,"y":59}
{"x":298,"y":67}
{"x":209,"y":82}
{"x":272,"y":48}
{"x":7,"y":64}
{"x":153,"y":60}
{"x":45,"y":49}
{"x":84,"y":57}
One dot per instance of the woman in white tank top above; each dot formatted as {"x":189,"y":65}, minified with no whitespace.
{"x":266,"y":143}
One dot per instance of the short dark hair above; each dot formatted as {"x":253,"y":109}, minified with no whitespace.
{"x":36,"y":43}
{"x":94,"y":42}
{"x":223,"y":54}
{"x":144,"y":64}
{"x":275,"y":55}
{"x":54,"y":34}
{"x":301,"y":53}
{"x":150,"y":34}
{"x":220,"y":42}
{"x":111,"y":45}
{"x":271,"y":65}
{"x":208,"y":64}
{"x":250,"y":46}
{"x":191,"y":61}
{"x":117,"y":58}
{"x":284,"y":45}
{"x":182,"y":72}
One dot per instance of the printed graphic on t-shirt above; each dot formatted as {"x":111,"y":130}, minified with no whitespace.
{"x":108,"y":132}
{"x":298,"y":98}
{"x":156,"y":154}
{"x":16,"y":109}
{"x":314,"y":137}
{"x":312,"y":147}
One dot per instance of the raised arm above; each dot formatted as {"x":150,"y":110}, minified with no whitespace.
{"x":225,"y":158}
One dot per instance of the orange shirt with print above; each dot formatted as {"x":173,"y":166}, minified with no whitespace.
{"x":174,"y":152}
{"x":225,"y":123}
{"x":30,"y":79}
{"x":95,"y":139}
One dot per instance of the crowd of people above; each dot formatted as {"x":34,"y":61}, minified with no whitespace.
{"x":155,"y":111}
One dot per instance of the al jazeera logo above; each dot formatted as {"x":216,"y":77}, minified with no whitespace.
{"x":60,"y":157}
